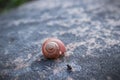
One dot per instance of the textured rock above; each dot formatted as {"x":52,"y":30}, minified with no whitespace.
{"x":90,"y":30}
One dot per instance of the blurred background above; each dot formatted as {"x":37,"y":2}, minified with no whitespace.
{"x":8,"y":4}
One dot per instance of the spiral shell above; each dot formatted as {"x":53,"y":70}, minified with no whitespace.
{"x":53,"y":48}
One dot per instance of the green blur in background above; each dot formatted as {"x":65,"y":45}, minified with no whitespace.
{"x":8,"y":4}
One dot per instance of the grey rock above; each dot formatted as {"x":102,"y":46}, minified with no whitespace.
{"x":90,"y":30}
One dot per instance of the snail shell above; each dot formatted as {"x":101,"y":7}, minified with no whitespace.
{"x":53,"y":48}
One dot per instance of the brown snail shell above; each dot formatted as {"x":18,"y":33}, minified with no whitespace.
{"x":53,"y":48}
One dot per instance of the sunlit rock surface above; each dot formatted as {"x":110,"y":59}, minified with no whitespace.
{"x":90,"y":30}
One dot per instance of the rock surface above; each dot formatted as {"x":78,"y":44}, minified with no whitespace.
{"x":90,"y":30}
